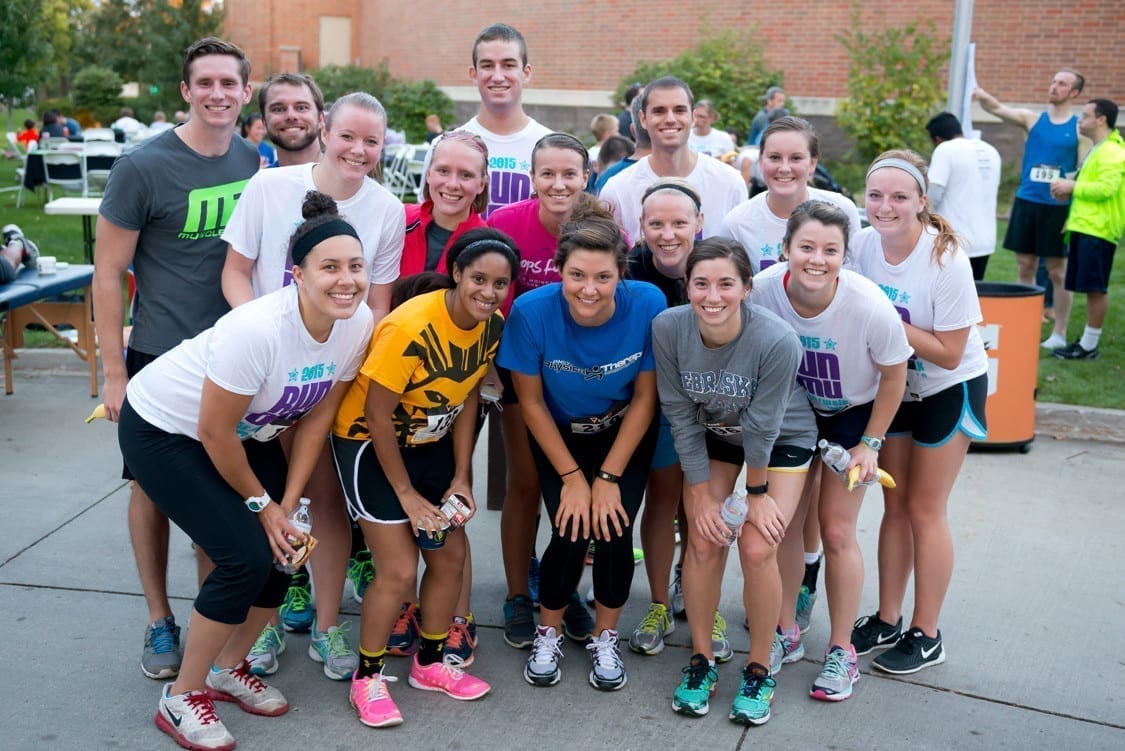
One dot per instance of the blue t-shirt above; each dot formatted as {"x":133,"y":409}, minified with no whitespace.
{"x":586,"y":370}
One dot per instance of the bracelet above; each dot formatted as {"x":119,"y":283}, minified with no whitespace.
{"x":758,"y":489}
{"x":608,"y":477}
{"x":571,"y":472}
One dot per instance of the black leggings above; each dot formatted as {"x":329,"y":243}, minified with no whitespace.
{"x":560,"y":568}
{"x":176,"y":473}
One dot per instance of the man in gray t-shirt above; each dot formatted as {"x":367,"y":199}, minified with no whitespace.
{"x":164,"y":210}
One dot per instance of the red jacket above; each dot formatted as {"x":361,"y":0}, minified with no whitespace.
{"x":418,"y":218}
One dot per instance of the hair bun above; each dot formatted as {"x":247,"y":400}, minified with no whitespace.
{"x":318,"y":204}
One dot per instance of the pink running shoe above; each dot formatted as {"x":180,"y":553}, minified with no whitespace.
{"x":373,"y":702}
{"x":447,"y":677}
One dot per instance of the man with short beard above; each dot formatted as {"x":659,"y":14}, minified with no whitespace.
{"x":292,"y":107}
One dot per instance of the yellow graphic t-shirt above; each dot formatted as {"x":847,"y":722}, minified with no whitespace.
{"x":418,"y":351}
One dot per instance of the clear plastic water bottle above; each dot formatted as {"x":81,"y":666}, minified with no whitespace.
{"x":734,"y":513}
{"x":301,"y":518}
{"x":835,"y":456}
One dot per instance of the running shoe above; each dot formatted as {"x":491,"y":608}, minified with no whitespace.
{"x":720,"y":644}
{"x":462,"y":640}
{"x":297,"y":609}
{"x":839,"y":674}
{"x":787,"y":647}
{"x":263,"y":655}
{"x":755,"y":694}
{"x":519,"y":622}
{"x":806,"y":598}
{"x":607,"y":671}
{"x":578,"y":624}
{"x":448,"y":678}
{"x":542,"y":668}
{"x":638,"y":556}
{"x":913,"y":652}
{"x":245,"y":689}
{"x":191,"y":721}
{"x":361,"y":572}
{"x":869,"y":633}
{"x":162,"y":654}
{"x":403,"y":640}
{"x":693,"y":695}
{"x":373,"y":703}
{"x":331,"y":648}
{"x":648,"y":638}
{"x":676,"y":592}
{"x":533,"y":580}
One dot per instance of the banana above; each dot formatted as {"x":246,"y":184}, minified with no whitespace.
{"x":99,"y":412}
{"x":882,"y":476}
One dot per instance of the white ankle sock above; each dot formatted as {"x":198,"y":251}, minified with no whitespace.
{"x":1054,"y":341}
{"x":811,"y":558}
{"x":1090,"y":338}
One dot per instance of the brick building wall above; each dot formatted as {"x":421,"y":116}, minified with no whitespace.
{"x":592,"y":45}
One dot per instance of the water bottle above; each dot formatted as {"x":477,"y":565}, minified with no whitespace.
{"x":734,"y":512}
{"x":835,"y":456}
{"x":302,"y":520}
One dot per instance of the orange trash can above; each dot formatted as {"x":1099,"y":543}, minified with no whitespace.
{"x":1013,"y":315}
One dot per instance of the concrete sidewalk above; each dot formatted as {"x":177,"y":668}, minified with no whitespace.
{"x":1034,"y":622}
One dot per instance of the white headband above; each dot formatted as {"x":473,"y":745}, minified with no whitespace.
{"x":903,"y":165}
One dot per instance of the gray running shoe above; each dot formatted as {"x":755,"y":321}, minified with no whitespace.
{"x":162,"y":654}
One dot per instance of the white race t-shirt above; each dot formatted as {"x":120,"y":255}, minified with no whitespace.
{"x":715,"y":143}
{"x":761,"y":231}
{"x":931,"y":297}
{"x":858,"y":331}
{"x":270,"y":209}
{"x":719,"y":185}
{"x":509,"y":161}
{"x":260,"y":349}
{"x":969,"y":170}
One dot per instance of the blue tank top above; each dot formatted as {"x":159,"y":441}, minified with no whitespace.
{"x":1051,"y":151}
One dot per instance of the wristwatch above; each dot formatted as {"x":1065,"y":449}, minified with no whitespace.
{"x":872,"y":442}
{"x":258,"y":502}
{"x":601,"y":474}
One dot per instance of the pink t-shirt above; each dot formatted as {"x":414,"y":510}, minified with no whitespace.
{"x":537,"y":246}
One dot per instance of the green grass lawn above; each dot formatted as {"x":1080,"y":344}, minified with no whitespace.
{"x":1090,"y":383}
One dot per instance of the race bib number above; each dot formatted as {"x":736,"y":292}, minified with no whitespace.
{"x":437,"y":425}
{"x":1044,"y":173}
{"x":720,"y":429}
{"x":591,"y":425}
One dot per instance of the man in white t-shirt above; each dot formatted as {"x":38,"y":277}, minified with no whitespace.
{"x":666,"y":107}
{"x":500,"y":71}
{"x":964,"y":179}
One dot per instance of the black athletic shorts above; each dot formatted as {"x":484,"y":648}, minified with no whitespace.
{"x":783,"y":457}
{"x":935,"y":419}
{"x":1089,"y":263}
{"x":368,"y":492}
{"x":1036,"y":228}
{"x":135,"y":362}
{"x":844,"y":428}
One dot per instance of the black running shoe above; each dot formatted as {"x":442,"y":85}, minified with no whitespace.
{"x":870,"y":633}
{"x":911,"y":653}
{"x":1076,"y":351}
{"x":578,"y":624}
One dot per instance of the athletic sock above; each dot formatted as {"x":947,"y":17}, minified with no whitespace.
{"x":370,"y":663}
{"x":812,"y":571}
{"x":811,"y":558}
{"x":1090,"y":338}
{"x":430,"y":648}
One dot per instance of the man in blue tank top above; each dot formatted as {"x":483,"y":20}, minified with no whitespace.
{"x":1053,"y":150}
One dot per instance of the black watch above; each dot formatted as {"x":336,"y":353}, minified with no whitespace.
{"x":607,"y":476}
{"x":758,"y":489}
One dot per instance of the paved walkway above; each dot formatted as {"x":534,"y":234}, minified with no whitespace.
{"x":1033,"y":625}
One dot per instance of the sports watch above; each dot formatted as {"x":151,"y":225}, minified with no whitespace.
{"x":873,"y":443}
{"x":258,"y":502}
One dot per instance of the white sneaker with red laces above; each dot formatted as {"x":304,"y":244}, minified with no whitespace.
{"x":247,"y":690}
{"x":191,"y":721}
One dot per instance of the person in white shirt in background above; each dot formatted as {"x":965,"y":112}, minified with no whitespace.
{"x":704,"y":138}
{"x":964,"y":180}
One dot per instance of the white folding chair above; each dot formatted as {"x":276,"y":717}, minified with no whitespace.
{"x":65,"y":170}
{"x":396,"y":175}
{"x":98,"y":134}
{"x":21,"y":154}
{"x":98,"y":157}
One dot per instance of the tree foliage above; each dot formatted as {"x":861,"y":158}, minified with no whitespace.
{"x":21,"y":40}
{"x":97,"y":88}
{"x":728,"y":68}
{"x":407,"y":102}
{"x":894,"y":86}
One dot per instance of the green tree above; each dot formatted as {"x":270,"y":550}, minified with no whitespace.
{"x":97,"y":88}
{"x":894,"y":85}
{"x":113,"y":36}
{"x":728,"y":68}
{"x":21,"y":68}
{"x":170,"y":26}
{"x":62,"y":20}
{"x":407,"y":102}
